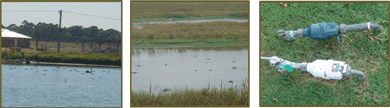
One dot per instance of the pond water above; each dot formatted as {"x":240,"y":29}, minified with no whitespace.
{"x":60,"y":86}
{"x":142,"y":24}
{"x":192,"y":68}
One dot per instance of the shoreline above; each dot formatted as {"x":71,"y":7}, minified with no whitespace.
{"x":140,"y":20}
{"x":186,"y":46}
{"x":19,"y":62}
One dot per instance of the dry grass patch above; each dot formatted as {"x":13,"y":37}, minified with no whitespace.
{"x":204,"y":30}
{"x":194,"y":9}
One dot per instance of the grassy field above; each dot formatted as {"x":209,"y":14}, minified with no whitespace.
{"x":192,"y":34}
{"x":363,"y":50}
{"x":73,"y":47}
{"x":231,"y":96}
{"x":160,"y":11}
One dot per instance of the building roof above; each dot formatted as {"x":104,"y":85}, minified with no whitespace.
{"x":11,"y":34}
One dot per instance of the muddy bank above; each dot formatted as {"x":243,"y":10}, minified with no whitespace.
{"x":12,"y":61}
{"x":21,"y":62}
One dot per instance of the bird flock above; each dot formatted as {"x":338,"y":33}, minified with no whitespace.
{"x":195,"y":69}
{"x":45,"y":71}
{"x":208,"y":59}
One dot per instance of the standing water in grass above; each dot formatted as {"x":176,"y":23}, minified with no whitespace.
{"x":170,"y":69}
{"x":60,"y":86}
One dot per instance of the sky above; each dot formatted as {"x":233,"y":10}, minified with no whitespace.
{"x":11,"y":13}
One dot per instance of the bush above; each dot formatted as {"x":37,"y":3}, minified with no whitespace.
{"x":176,"y":16}
{"x":239,"y":15}
{"x":150,"y":36}
{"x":42,"y":49}
{"x":88,"y":58}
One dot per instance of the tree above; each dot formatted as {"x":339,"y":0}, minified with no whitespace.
{"x":92,"y":32}
{"x":12,"y":27}
{"x":109,"y":33}
{"x":26,"y":28}
{"x":50,"y":32}
{"x":77,"y":32}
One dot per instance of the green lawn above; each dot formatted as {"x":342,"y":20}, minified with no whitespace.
{"x":363,"y":50}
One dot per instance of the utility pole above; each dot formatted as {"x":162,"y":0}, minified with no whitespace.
{"x":59,"y":35}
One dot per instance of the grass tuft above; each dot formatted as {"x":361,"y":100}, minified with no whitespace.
{"x":176,"y":16}
{"x":239,"y":15}
{"x":232,"y":96}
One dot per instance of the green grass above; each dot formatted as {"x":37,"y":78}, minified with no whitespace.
{"x":191,"y":97}
{"x":232,"y":96}
{"x":85,"y":58}
{"x":68,"y":46}
{"x":363,"y":50}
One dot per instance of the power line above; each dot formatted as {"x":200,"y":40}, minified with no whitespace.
{"x":63,"y":11}
{"x":29,"y":10}
{"x":92,"y":15}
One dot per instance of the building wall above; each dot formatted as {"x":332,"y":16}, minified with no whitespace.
{"x":10,"y":42}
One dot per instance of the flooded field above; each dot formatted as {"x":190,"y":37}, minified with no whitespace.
{"x":168,"y":69}
{"x":142,"y":24}
{"x":60,"y":86}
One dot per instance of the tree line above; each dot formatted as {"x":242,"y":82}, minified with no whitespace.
{"x":50,"y":32}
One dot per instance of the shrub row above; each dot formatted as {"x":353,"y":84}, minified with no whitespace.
{"x":85,"y":58}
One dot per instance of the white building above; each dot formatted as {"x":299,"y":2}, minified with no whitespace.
{"x":13,"y":39}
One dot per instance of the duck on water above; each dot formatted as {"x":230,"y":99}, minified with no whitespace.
{"x":87,"y":71}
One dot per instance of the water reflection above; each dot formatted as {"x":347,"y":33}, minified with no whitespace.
{"x":195,"y":67}
{"x":153,"y":51}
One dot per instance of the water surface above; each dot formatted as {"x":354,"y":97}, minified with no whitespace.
{"x":192,"y":68}
{"x":60,"y":86}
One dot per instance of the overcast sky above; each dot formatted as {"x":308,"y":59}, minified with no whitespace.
{"x":99,"y":9}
